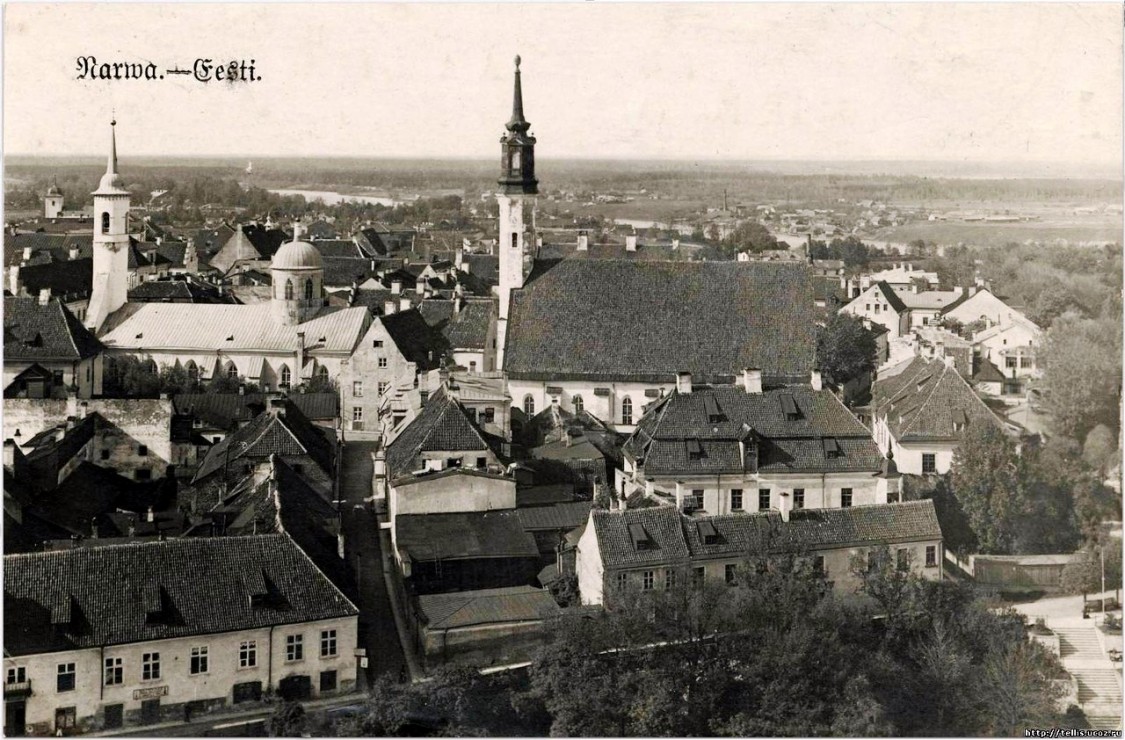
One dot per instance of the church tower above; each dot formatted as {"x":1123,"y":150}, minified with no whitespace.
{"x":111,"y":241}
{"x":297,"y":272}
{"x":517,"y":185}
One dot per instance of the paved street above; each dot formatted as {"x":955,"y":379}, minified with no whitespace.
{"x":376,"y":624}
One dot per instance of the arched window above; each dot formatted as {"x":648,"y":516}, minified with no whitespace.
{"x":529,"y":405}
{"x":288,"y":290}
{"x":192,"y":370}
{"x":322,"y":372}
{"x":578,"y":404}
{"x":308,"y":289}
{"x":150,"y":367}
{"x":232,"y":371}
{"x":626,"y":410}
{"x":286,"y":377}
{"x":105,"y":222}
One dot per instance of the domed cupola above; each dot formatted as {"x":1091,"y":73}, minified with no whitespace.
{"x":297,"y":270}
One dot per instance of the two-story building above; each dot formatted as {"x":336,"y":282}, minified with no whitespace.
{"x":880,"y":304}
{"x":103,"y":638}
{"x":48,"y":353}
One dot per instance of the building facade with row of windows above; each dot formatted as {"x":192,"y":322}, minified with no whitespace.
{"x":124,"y":635}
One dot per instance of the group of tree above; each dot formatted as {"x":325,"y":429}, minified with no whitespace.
{"x":845,"y":350}
{"x":850,"y":249}
{"x":748,"y":236}
{"x":1081,"y":360}
{"x":128,"y":376}
{"x":777,"y":652}
{"x":999,"y":499}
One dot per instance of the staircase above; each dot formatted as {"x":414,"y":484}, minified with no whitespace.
{"x":1099,"y":685}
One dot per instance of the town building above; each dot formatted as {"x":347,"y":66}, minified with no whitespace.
{"x":624,"y":552}
{"x":48,"y":353}
{"x":166,"y":631}
{"x":920,"y":410}
{"x":730,"y":449}
{"x":880,"y":304}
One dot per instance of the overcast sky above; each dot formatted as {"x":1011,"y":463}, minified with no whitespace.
{"x":1002,"y":82}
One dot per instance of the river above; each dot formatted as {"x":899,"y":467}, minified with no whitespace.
{"x":331,"y":197}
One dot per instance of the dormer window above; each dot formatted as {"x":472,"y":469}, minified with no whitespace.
{"x":789,"y":408}
{"x":832,"y":448}
{"x":640,"y":538}
{"x":960,"y":420}
{"x":714,"y":413}
{"x":707,"y":533}
{"x":694,"y":449}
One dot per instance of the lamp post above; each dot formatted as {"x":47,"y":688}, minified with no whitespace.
{"x":1101,"y":554}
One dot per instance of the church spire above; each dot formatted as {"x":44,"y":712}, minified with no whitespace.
{"x":111,"y":165}
{"x":518,"y":123}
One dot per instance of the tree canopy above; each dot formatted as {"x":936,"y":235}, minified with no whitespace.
{"x":845,"y":349}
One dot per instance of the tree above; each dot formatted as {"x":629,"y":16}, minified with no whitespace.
{"x":1082,"y":369}
{"x":750,"y":236}
{"x":983,"y":479}
{"x":845,"y":349}
{"x":1100,"y":449}
{"x":288,"y":720}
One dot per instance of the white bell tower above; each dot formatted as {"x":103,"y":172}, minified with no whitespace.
{"x":111,"y":242}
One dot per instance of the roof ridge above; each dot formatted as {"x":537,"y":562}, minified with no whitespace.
{"x":921,"y":406}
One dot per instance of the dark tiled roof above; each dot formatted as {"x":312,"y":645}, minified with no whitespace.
{"x":91,"y":492}
{"x":416,"y":340}
{"x":611,"y":319}
{"x":178,"y":291}
{"x":320,"y":230}
{"x":343,"y":271}
{"x":566,"y":515}
{"x":210,"y":241}
{"x":484,"y":266}
{"x":287,"y":434}
{"x":172,"y":252}
{"x":464,"y":536}
{"x":72,"y":278}
{"x":195,"y":586}
{"x":922,"y":401}
{"x":487,"y":606}
{"x":34,"y":332}
{"x":988,"y":372}
{"x":716,"y":418}
{"x":891,"y":296}
{"x":677,"y":537}
{"x":226,"y":410}
{"x":337,"y":248}
{"x":441,"y":425}
{"x":465,"y":330}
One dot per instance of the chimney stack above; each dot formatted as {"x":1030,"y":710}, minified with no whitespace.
{"x":752,"y":380}
{"x":389,"y":307}
{"x":675,"y":244}
{"x":14,"y":280}
{"x":583,"y":241}
{"x":396,"y":286}
{"x":683,"y":382}
{"x":631,"y":243}
{"x":784,"y":505}
{"x":9,"y":453}
{"x":420,"y":286}
{"x":73,"y":252}
{"x":44,"y":296}
{"x":816,"y":381}
{"x":680,"y":495}
{"x":404,"y":304}
{"x":149,"y":515}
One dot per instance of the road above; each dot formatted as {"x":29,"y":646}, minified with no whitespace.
{"x":361,"y":531}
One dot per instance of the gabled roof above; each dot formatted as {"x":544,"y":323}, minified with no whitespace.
{"x":177,"y":291}
{"x":931,"y":299}
{"x":486,"y":606}
{"x":50,"y":332}
{"x":919,"y":402}
{"x":344,"y":271}
{"x":987,"y":372}
{"x":678,"y":538}
{"x":464,"y":536}
{"x":281,"y":431}
{"x":192,"y":586}
{"x":891,"y":296}
{"x":614,"y":319}
{"x":416,"y":340}
{"x":227,"y":410}
{"x":467,"y":329}
{"x":441,"y":425}
{"x":69,"y":280}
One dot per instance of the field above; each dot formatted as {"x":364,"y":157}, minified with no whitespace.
{"x":1075,"y":230}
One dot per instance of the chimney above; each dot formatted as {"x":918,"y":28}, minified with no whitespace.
{"x":73,"y":253}
{"x":958,"y":290}
{"x":538,"y":242}
{"x":752,"y":380}
{"x":784,"y":505}
{"x":404,"y":304}
{"x":420,"y":286}
{"x":396,"y":287}
{"x":389,"y":307}
{"x":457,"y":304}
{"x":650,"y":489}
{"x":683,"y":382}
{"x":149,"y":515}
{"x":631,"y":243}
{"x":623,"y":503}
{"x":9,"y":453}
{"x":949,"y":362}
{"x":14,"y":280}
{"x":867,"y":323}
{"x":816,"y":381}
{"x":26,"y":253}
{"x":458,"y":257}
{"x":972,"y":290}
{"x":583,"y":241}
{"x":680,"y":495}
{"x":44,"y":296}
{"x":380,"y":463}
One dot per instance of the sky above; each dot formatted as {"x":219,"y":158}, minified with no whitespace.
{"x":1007,"y":82}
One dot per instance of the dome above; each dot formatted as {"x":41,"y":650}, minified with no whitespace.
{"x":54,"y":190}
{"x":297,"y":256}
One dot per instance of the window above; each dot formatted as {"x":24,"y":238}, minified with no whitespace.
{"x":730,"y":572}
{"x":65,"y":680}
{"x":578,"y":404}
{"x":113,"y":672}
{"x":198,"y":660}
{"x":647,"y":579}
{"x":867,"y":307}
{"x":232,"y":371}
{"x":105,"y":454}
{"x":736,"y":499}
{"x":382,"y":388}
{"x":515,"y":241}
{"x":489,"y":415}
{"x":328,"y":643}
{"x":876,"y":308}
{"x":472,"y":366}
{"x":931,"y":556}
{"x":357,"y":388}
{"x":142,"y":474}
{"x":622,"y":581}
{"x":382,"y":363}
{"x":515,"y":161}
{"x":327,"y":681}
{"x":482,"y":462}
{"x":286,"y":377}
{"x":322,"y":372}
{"x":698,"y":575}
{"x":929,"y":462}
{"x":142,"y":450}
{"x":65,"y":719}
{"x":150,"y":666}
{"x":294,"y":647}
{"x":902,"y":559}
{"x":798,"y":498}
{"x":105,"y":223}
{"x":17,"y":675}
{"x":1010,"y":362}
{"x":288,"y":290}
{"x":763,"y":499}
{"x":309,"y":289}
{"x":247,"y":654}
{"x":818,"y":565}
{"x":357,"y":414}
{"x":626,"y":410}
{"x":845,"y":497}
{"x":529,"y":405}
{"x":192,"y":370}
{"x":696,"y":498}
{"x":669,"y":579}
